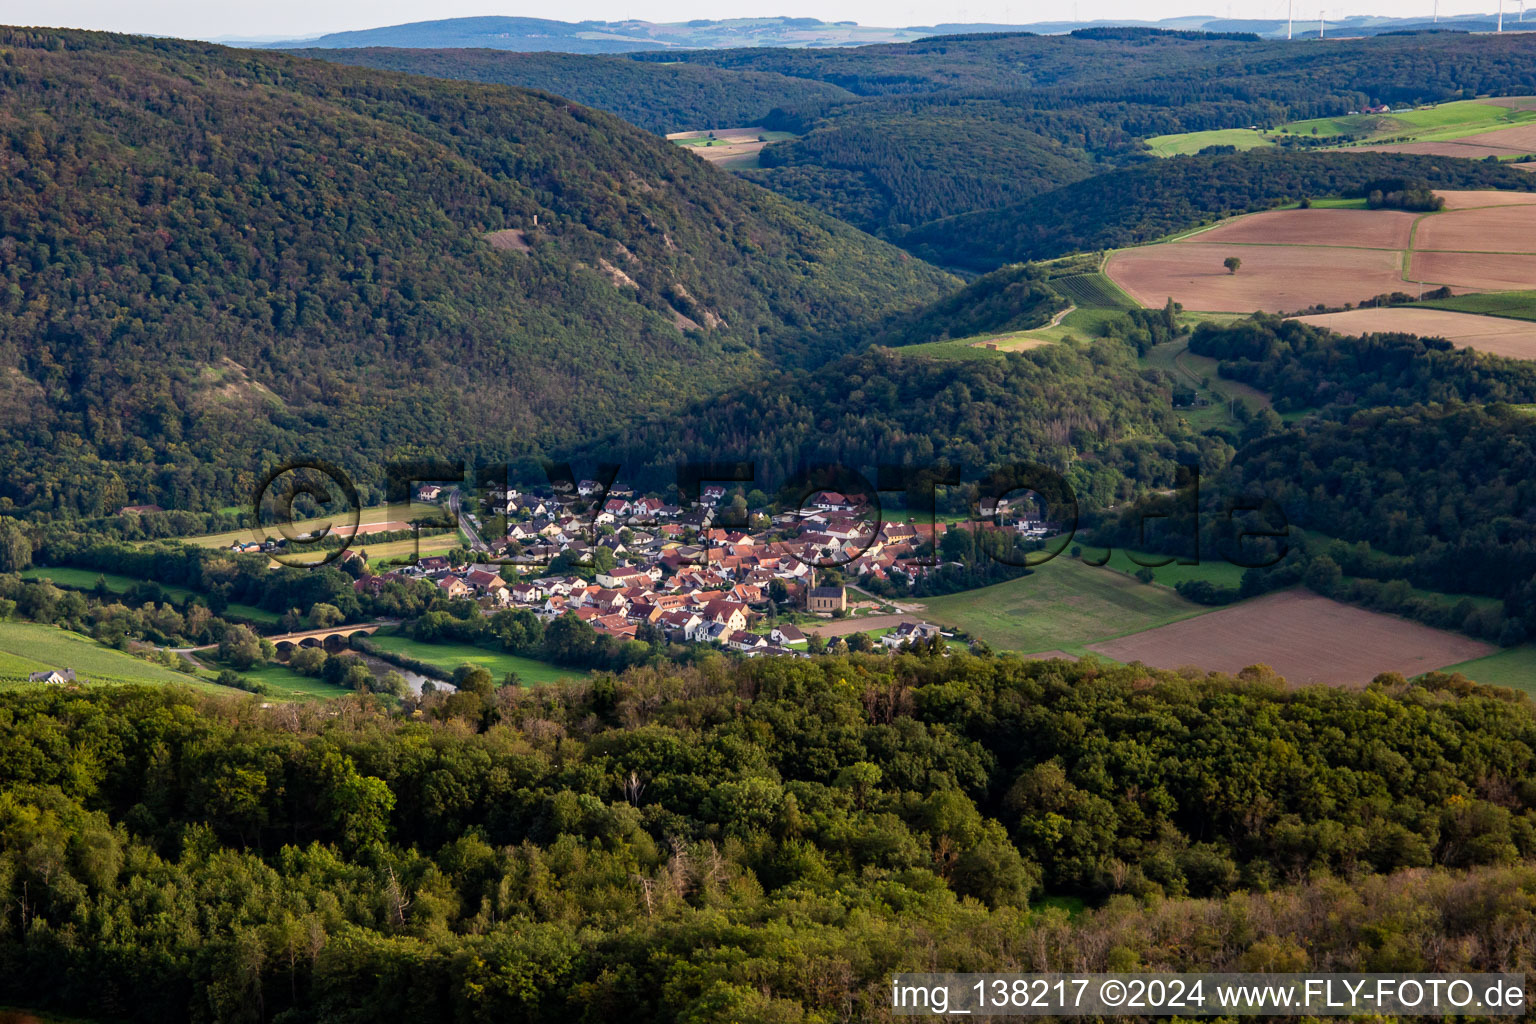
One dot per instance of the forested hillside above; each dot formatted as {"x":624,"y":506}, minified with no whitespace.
{"x":750,"y":841}
{"x":659,"y":98}
{"x":961,"y":124}
{"x":1090,"y":413}
{"x":213,"y":259}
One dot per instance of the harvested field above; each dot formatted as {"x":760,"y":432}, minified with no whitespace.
{"x":1493,"y":229}
{"x":1362,"y":229}
{"x":1273,"y":278}
{"x":1471,"y":271}
{"x":1304,"y":637}
{"x":1498,"y":336}
{"x":1471,"y":199}
{"x":1504,"y":142}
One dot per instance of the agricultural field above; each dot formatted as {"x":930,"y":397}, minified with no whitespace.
{"x":1092,"y":291}
{"x":378,"y":518}
{"x":1273,"y":278}
{"x":27,"y":647}
{"x":1295,"y":259}
{"x":1063,"y":605}
{"x":1514,"y":667}
{"x":1190,"y":143}
{"x":1500,"y":126}
{"x":450,"y":656}
{"x":1303,"y":636}
{"x":733,"y":148}
{"x":1518,"y":305}
{"x":1354,"y":229}
{"x":1513,"y":339}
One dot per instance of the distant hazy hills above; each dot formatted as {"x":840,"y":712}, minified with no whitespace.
{"x":530,"y":35}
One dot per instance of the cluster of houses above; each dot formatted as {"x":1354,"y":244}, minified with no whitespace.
{"x":673,"y":573}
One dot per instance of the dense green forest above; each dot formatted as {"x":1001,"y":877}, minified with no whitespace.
{"x":1091,"y":414}
{"x":1151,"y":200}
{"x":1305,"y":367}
{"x":667,"y":98}
{"x":214,"y":259}
{"x":751,"y":841}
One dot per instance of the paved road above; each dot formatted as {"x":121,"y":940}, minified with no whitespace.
{"x":455,"y":506}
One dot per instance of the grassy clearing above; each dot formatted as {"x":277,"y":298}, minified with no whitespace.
{"x":1190,"y":143}
{"x":450,"y":656}
{"x":44,"y":647}
{"x":1337,"y":203}
{"x":289,"y":683}
{"x":1212,"y":568}
{"x":1175,"y":359}
{"x":1062,"y":605}
{"x":85,"y":579}
{"x":1514,"y":667}
{"x":1511,"y":305}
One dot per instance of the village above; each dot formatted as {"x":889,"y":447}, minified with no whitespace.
{"x":634,"y":567}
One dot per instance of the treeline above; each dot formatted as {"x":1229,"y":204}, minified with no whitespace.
{"x":221,"y":577}
{"x":1305,"y":367}
{"x":1151,"y":200}
{"x":675,"y":97}
{"x":621,"y":849}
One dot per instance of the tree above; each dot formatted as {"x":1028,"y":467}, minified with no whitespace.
{"x":324,"y":616}
{"x":15,"y":548}
{"x":475,"y":679}
{"x":240,"y":647}
{"x":1232,"y":263}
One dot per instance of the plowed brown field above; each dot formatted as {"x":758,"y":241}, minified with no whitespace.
{"x":1361,"y":229}
{"x":1304,"y":637}
{"x":1273,"y":278}
{"x":1514,"y":339}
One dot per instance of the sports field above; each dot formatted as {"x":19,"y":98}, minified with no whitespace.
{"x":1304,"y":637}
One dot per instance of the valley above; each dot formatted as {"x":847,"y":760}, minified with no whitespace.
{"x":522,"y":520}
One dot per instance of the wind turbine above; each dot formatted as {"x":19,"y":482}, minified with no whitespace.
{"x":1437,"y":12}
{"x":1320,"y":24}
{"x":1290,"y":10}
{"x":1501,"y":16}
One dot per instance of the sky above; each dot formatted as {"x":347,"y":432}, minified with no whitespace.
{"x":199,"y":19}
